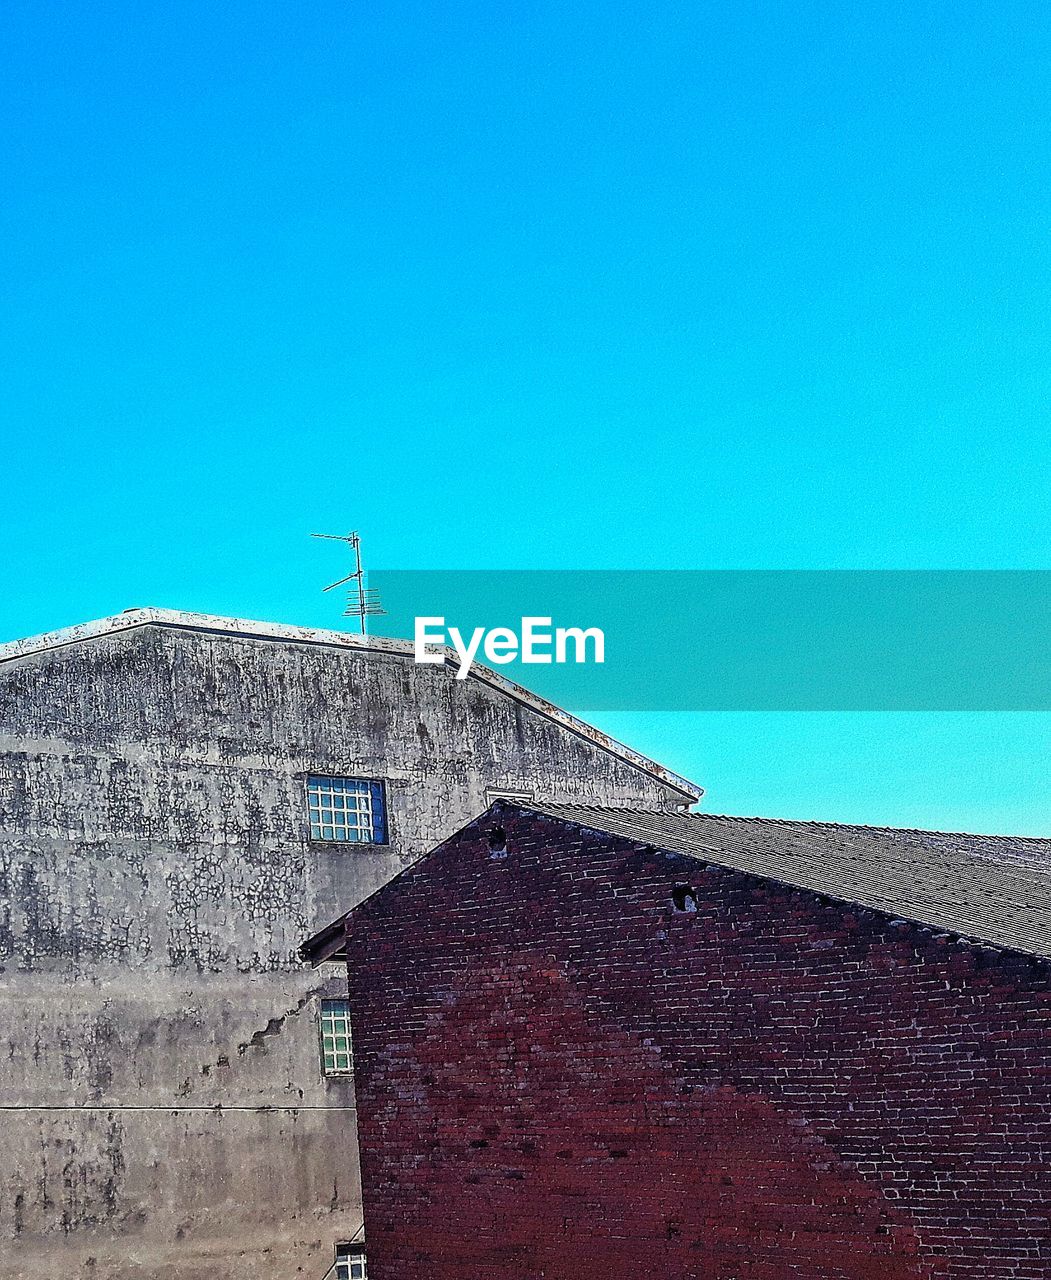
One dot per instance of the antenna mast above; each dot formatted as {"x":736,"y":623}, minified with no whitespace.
{"x":362,"y":602}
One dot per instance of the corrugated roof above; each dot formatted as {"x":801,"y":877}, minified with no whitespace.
{"x":994,"y":889}
{"x":174,"y":618}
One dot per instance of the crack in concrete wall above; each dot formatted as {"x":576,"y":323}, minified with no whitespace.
{"x":275,"y":1026}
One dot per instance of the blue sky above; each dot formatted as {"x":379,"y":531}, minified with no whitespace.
{"x":684,"y":286}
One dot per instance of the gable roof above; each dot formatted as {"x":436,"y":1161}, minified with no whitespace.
{"x":994,"y":889}
{"x":277,"y":631}
{"x":986,"y":889}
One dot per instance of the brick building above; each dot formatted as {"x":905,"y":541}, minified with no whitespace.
{"x":594,"y":1043}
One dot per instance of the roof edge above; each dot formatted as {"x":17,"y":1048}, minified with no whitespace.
{"x":717,"y":858}
{"x":327,"y":943}
{"x":178,"y":620}
{"x":830,"y":823}
{"x":330,"y":942}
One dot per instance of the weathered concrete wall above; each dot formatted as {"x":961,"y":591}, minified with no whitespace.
{"x":165,"y":1112}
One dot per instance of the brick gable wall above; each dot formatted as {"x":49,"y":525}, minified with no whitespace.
{"x":559,"y":1076}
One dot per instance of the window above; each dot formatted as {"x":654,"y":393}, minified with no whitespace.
{"x":350,"y":1262}
{"x":335,"y":1037}
{"x":350,"y":809}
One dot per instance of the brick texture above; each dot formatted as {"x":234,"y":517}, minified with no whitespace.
{"x":560,"y":1076}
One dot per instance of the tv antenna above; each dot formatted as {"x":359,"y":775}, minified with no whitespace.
{"x":362,"y":602}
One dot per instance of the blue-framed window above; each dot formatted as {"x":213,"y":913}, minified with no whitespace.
{"x":353,"y":810}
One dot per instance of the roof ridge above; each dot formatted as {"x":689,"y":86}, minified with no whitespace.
{"x":806,"y":822}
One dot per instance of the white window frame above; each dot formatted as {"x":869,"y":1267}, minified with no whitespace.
{"x":350,"y":1262}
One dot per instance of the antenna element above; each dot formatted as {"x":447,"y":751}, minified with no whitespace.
{"x":362,"y":602}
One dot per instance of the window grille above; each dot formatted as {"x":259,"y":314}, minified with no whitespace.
{"x":348,"y":809}
{"x":335,"y":1037}
{"x":350,"y":1262}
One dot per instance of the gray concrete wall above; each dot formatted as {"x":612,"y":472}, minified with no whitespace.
{"x":165,"y":1114}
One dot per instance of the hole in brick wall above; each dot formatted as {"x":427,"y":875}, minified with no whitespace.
{"x":683,"y":899}
{"x":497,"y":843}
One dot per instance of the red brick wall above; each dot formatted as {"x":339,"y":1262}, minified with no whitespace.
{"x":560,"y":1077}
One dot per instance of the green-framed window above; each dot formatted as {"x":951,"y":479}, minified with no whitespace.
{"x":335,"y":1037}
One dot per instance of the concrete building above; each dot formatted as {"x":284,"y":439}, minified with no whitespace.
{"x":598,"y":1043}
{"x":182,"y":800}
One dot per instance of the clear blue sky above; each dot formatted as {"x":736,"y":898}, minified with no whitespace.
{"x":545,"y":285}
